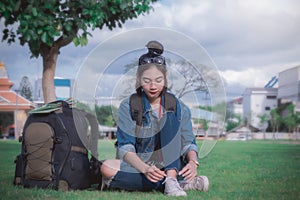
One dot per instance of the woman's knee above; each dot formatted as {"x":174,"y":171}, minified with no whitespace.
{"x":110,"y":168}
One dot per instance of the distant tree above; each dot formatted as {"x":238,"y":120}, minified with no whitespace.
{"x":193,"y":80}
{"x":275,"y":120}
{"x":233,"y":121}
{"x":291,"y":118}
{"x":83,"y":106}
{"x":47,"y":26}
{"x":264,"y":118}
{"x":208,"y":108}
{"x":205,"y":125}
{"x":25,"y":88}
{"x":297,"y":119}
{"x":105,"y":115}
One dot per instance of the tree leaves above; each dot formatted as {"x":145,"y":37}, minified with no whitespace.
{"x":46,"y":26}
{"x":44,"y":37}
{"x":48,"y":22}
{"x":34,"y":12}
{"x":80,"y":40}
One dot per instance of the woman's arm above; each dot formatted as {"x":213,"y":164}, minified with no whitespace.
{"x":189,"y":171}
{"x":126,"y":130}
{"x":189,"y":145}
{"x":136,"y":162}
{"x":192,"y":157}
{"x":188,"y":140}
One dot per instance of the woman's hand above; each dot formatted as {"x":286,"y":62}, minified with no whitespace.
{"x":154,"y":174}
{"x":189,"y":171}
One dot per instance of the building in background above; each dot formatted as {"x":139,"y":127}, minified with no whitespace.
{"x":260,"y":101}
{"x":235,"y":106}
{"x":289,"y":87}
{"x":257,"y":102}
{"x":13,"y":107}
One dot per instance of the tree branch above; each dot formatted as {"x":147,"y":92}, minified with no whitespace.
{"x":61,"y":41}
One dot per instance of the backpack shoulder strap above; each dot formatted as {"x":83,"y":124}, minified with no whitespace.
{"x":170,"y":102}
{"x":136,"y":108}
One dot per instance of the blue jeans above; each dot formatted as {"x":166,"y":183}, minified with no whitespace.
{"x":134,"y":182}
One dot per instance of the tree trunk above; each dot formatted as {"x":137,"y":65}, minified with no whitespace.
{"x":49,"y":64}
{"x":50,"y":55}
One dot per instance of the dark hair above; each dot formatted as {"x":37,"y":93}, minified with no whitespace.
{"x":142,"y":68}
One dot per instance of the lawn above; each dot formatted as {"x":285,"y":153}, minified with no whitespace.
{"x":236,"y":169}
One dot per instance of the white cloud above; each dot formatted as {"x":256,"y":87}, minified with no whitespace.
{"x":250,"y":77}
{"x":240,"y":29}
{"x":250,"y":41}
{"x":236,"y":81}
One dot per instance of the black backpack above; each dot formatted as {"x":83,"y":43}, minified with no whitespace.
{"x":53,"y":154}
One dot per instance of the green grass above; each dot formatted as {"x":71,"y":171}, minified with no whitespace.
{"x":236,"y":170}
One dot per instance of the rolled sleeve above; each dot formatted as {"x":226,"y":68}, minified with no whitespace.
{"x":125,"y":149}
{"x":126,"y":130}
{"x":188,"y":148}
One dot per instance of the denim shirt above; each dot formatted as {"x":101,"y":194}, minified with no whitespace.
{"x":144,"y":143}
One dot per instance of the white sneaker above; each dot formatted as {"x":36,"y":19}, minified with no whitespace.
{"x":199,"y":183}
{"x":172,"y":187}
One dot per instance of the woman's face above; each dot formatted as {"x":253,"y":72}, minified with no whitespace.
{"x":153,"y":82}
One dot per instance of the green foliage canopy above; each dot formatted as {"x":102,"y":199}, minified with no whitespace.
{"x":47,"y":26}
{"x":55,"y":22}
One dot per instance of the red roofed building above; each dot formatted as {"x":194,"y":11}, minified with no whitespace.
{"x":13,"y":107}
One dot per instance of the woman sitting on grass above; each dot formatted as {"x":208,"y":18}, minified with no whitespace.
{"x":162,"y":153}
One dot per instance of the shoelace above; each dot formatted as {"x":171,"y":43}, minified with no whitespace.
{"x":167,"y":179}
{"x":173,"y":179}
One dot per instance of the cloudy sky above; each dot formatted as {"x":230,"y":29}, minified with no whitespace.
{"x":249,"y":41}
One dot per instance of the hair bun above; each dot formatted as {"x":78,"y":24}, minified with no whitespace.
{"x":155,"y":45}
